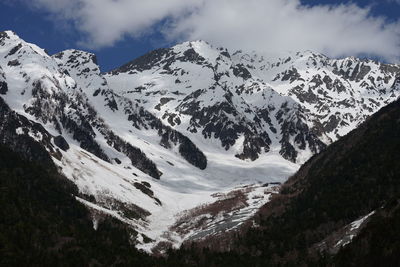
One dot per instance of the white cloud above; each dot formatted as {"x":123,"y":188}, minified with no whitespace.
{"x":106,"y":21}
{"x":281,"y":25}
{"x":271,"y":26}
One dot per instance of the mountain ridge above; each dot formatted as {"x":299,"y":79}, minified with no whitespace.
{"x":193,"y":117}
{"x":336,"y":210}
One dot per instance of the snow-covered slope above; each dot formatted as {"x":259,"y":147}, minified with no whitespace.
{"x":178,"y":128}
{"x":250,"y":105}
{"x":199,"y":90}
{"x":339,"y":93}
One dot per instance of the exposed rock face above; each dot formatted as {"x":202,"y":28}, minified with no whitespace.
{"x":296,"y":105}
{"x":157,"y":117}
{"x":83,"y":68}
{"x":60,"y":101}
{"x":339,"y":94}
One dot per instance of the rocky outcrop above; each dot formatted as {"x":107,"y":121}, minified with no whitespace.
{"x":23,"y":136}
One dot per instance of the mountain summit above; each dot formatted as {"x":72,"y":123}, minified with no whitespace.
{"x":181,"y":127}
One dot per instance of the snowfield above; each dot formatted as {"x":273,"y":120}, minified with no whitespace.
{"x":162,"y":139}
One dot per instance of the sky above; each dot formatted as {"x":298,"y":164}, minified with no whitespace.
{"x":118,"y":31}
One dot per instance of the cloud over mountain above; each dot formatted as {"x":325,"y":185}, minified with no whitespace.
{"x":270,"y":26}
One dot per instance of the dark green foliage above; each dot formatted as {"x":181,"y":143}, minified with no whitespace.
{"x":378,"y":244}
{"x":357,"y":174}
{"x":191,"y":153}
{"x":85,"y":135}
{"x":30,"y":149}
{"x":137,"y":157}
{"x":41,"y":223}
{"x":3,"y":88}
{"x":61,"y":142}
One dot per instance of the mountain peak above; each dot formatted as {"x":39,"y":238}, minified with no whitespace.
{"x":11,"y":41}
{"x":174,"y":110}
{"x":76,"y":56}
{"x":10,"y":34}
{"x":194,"y":43}
{"x":199,"y":47}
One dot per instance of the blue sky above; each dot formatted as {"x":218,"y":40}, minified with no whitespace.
{"x":37,"y":27}
{"x":50,"y":26}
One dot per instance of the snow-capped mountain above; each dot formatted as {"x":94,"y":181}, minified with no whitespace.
{"x":201,"y":90}
{"x":181,"y":127}
{"x":295,"y":105}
